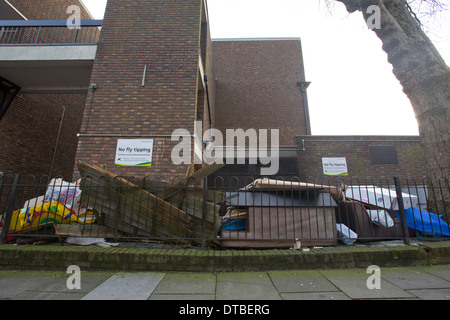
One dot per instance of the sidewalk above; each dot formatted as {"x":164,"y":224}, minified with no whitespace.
{"x":420,"y":283}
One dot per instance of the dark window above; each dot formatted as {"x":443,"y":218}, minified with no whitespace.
{"x":383,"y":154}
{"x":287,"y":167}
{"x":240,"y":175}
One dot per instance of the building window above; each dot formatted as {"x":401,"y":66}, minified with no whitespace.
{"x":383,"y":154}
{"x":287,"y":167}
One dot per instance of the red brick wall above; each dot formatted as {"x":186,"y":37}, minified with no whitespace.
{"x":47,"y":9}
{"x":256,"y":86}
{"x":207,"y":90}
{"x":356,"y":151}
{"x":165,"y":36}
{"x":29,"y":132}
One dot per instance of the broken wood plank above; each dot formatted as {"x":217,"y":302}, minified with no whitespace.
{"x":92,"y":230}
{"x":191,"y":180}
{"x":130,"y":205}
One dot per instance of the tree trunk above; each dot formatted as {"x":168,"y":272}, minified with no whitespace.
{"x":425,"y":78}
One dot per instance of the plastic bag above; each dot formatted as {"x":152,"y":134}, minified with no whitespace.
{"x":47,"y":214}
{"x":345,"y":234}
{"x":69,"y":194}
{"x":381,"y":218}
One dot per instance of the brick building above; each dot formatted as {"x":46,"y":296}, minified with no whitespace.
{"x":38,"y":122}
{"x":156,"y":69}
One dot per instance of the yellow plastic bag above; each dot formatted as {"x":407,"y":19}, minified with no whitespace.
{"x":30,"y":219}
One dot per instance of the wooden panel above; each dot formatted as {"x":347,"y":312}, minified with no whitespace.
{"x":279,"y":227}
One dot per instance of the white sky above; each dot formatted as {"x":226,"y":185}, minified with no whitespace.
{"x":353,"y":90}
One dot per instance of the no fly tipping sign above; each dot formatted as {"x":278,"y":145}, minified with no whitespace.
{"x":134,"y":153}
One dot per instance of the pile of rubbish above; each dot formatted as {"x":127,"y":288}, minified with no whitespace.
{"x":103,"y":205}
{"x":380,"y":206}
{"x":61,"y":204}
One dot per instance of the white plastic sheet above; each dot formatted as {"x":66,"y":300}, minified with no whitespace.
{"x":345,"y":234}
{"x":381,"y":218}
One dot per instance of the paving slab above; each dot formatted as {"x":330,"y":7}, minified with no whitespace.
{"x":245,"y":286}
{"x":314,"y":296}
{"x":195,"y":296}
{"x":301,"y":281}
{"x":439,"y":271}
{"x":39,"y":295}
{"x":413,"y":278}
{"x":187,"y":283}
{"x":431,"y":294}
{"x":13,"y":283}
{"x":354,"y":284}
{"x":126,"y":286}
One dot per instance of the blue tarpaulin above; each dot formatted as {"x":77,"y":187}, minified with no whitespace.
{"x":233,"y":225}
{"x":426,"y":222}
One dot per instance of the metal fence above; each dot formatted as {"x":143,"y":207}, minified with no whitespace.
{"x":221,"y":213}
{"x":48,"y":32}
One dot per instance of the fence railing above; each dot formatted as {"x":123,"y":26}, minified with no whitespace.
{"x":266,"y":213}
{"x":48,"y":32}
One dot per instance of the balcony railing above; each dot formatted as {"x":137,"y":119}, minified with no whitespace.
{"x":48,"y":32}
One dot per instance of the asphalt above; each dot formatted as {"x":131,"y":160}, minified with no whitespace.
{"x":386,"y":271}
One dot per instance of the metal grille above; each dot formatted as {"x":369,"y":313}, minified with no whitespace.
{"x":266,"y":213}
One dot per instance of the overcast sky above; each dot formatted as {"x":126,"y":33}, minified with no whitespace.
{"x":353,"y":90}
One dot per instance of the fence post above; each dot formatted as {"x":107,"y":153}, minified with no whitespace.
{"x":9,"y":209}
{"x":401,"y":210}
{"x":204,"y":213}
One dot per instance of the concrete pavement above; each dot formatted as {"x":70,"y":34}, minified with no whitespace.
{"x":412,"y":283}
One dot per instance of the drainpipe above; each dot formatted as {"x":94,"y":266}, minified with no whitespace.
{"x":303,"y":86}
{"x":208,"y":101}
{"x":57,"y":142}
{"x":209,"y":107}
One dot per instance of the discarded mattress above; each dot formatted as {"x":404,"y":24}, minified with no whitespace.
{"x":356,"y":217}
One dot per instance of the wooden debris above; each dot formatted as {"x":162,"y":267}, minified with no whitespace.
{"x":191,"y":180}
{"x":148,"y":208}
{"x":92,"y":230}
{"x":128,"y":209}
{"x":338,"y":193}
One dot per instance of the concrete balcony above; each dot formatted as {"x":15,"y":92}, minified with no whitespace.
{"x":47,"y":56}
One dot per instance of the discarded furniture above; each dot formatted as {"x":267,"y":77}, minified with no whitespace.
{"x":279,"y":213}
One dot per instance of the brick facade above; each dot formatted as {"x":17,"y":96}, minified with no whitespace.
{"x":47,"y":9}
{"x":251,"y":83}
{"x":29,"y":132}
{"x":356,"y":150}
{"x":165,"y":36}
{"x":30,"y":127}
{"x":257,"y":87}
